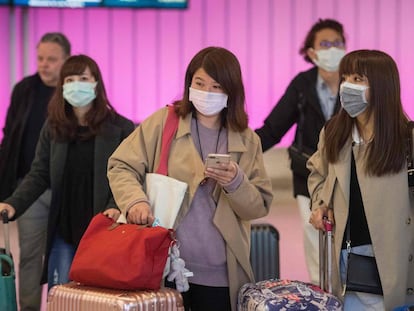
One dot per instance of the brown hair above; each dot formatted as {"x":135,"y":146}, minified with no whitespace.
{"x":62,"y":120}
{"x":310,"y":37}
{"x":386,"y":153}
{"x":224,"y":68}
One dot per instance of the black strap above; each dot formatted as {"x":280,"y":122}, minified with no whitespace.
{"x":301,"y":121}
{"x":348,"y":221}
{"x":410,"y":160}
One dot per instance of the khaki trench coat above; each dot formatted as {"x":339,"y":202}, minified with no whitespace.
{"x":139,"y":154}
{"x":389,"y":212}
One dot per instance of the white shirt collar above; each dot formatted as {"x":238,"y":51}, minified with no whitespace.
{"x":356,"y":138}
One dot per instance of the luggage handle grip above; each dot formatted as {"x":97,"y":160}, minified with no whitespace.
{"x":325,"y":256}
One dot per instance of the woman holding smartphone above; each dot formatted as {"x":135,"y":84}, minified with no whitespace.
{"x":213,"y":224}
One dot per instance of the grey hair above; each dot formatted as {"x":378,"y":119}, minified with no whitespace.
{"x":58,"y":38}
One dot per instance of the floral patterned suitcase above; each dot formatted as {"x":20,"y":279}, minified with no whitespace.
{"x":76,"y":297}
{"x":276,"y":294}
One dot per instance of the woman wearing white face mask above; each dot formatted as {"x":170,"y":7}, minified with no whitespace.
{"x":360,"y":172}
{"x":309,"y":101}
{"x":81,"y":131}
{"x":213,"y":224}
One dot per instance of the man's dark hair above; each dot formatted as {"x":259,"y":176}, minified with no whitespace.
{"x":318,"y":26}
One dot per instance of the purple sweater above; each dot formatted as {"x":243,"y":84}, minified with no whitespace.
{"x":201,"y":245}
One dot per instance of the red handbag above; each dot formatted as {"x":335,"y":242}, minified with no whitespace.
{"x":121,"y":256}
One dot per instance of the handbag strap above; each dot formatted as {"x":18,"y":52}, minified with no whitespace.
{"x":348,"y":221}
{"x":410,"y":160}
{"x":301,"y":121}
{"x":170,"y":128}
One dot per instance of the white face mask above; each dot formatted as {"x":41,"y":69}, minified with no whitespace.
{"x":329,"y":59}
{"x":78,"y":93}
{"x":208,"y":103}
{"x":353,"y":98}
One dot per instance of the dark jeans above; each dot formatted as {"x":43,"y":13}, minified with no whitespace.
{"x":205,"y":298}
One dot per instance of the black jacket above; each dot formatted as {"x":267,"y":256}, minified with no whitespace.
{"x":22,"y":100}
{"x":48,"y":168}
{"x":286,"y":113}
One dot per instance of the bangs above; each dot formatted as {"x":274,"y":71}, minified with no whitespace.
{"x":211,"y":68}
{"x":73,"y":68}
{"x":224,"y":68}
{"x":351,"y":64}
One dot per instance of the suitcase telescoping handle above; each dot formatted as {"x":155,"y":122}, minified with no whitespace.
{"x":5,"y":217}
{"x":325,"y":256}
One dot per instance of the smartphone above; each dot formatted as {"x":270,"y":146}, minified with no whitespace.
{"x":214,"y":160}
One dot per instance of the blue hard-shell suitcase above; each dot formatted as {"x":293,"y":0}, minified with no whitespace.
{"x":264,"y":251}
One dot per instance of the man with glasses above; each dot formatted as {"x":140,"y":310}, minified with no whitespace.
{"x":309,"y":101}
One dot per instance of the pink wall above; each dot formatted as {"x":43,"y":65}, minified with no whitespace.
{"x":143,"y":53}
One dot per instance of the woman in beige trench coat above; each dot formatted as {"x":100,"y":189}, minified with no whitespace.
{"x":360,"y":169}
{"x":213,"y":224}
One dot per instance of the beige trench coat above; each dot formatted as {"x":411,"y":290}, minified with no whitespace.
{"x":390,"y":217}
{"x":139,"y":154}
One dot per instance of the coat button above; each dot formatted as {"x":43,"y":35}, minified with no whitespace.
{"x":410,"y":258}
{"x":410,"y":291}
{"x":408,"y":221}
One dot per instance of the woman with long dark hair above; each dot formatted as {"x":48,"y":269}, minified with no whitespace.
{"x":81,"y":132}
{"x":359,"y":181}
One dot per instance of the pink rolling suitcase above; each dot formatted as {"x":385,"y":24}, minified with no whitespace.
{"x":76,"y":297}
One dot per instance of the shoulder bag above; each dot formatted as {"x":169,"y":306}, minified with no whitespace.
{"x":165,"y":193}
{"x":121,"y":256}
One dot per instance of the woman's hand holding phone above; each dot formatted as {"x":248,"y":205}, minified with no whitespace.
{"x":220,"y":167}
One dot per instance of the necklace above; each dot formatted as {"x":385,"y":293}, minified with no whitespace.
{"x":199,"y":141}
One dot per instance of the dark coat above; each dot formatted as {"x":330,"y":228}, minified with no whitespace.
{"x":286,"y":114}
{"x":48,"y":168}
{"x":22,"y":101}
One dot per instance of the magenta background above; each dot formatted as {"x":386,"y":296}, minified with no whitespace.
{"x":143,"y":53}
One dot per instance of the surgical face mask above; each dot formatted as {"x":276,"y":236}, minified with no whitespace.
{"x":353,"y":99}
{"x":78,"y":93}
{"x":208,"y":103}
{"x":329,"y":59}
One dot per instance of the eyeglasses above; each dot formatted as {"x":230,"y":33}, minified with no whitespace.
{"x":328,"y":44}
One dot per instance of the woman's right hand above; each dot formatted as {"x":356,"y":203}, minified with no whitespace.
{"x":10,"y":210}
{"x":140,"y":213}
{"x":318,"y":214}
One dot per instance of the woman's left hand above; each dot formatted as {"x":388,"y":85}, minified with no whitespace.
{"x":112,"y":213}
{"x":224,"y":174}
{"x":319,"y":213}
